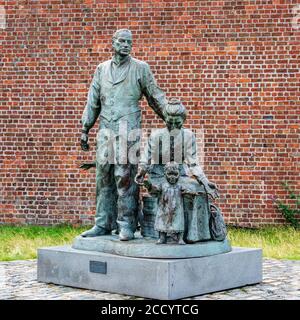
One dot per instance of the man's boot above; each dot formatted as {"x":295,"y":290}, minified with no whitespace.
{"x":95,"y":232}
{"x":126,"y":234}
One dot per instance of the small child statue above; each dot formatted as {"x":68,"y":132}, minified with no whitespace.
{"x":170,"y":216}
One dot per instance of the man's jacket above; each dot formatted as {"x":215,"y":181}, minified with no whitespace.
{"x":113,"y":99}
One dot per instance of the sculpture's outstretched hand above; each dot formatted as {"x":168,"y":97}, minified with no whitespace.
{"x":84,"y":142}
{"x":139,"y":178}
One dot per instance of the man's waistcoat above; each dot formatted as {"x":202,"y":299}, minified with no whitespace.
{"x":121,"y":97}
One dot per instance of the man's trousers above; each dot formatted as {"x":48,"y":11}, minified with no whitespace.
{"x":116,"y":192}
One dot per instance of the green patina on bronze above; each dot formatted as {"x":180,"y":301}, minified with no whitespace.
{"x":181,"y":207}
{"x":195,"y":218}
{"x":116,"y":89}
{"x":147,"y":248}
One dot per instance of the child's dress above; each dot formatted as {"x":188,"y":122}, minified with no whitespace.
{"x":170,"y":214}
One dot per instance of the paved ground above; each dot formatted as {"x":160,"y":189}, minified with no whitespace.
{"x":18,"y":281}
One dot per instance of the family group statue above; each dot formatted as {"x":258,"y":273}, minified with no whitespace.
{"x":117,"y":87}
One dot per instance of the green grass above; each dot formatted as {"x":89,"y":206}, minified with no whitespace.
{"x":21,"y":242}
{"x":276,"y":242}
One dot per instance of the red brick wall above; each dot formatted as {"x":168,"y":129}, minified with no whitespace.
{"x":235,"y":64}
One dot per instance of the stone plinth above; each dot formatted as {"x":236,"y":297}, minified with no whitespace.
{"x":151,"y":278}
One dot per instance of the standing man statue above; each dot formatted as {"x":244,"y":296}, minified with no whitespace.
{"x":116,"y":89}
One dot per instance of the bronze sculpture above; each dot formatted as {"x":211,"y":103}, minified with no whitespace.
{"x":170,"y":213}
{"x":176,"y":143}
{"x":114,"y":95}
{"x":116,"y":89}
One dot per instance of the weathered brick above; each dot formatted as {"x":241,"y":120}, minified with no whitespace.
{"x":235,"y":64}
